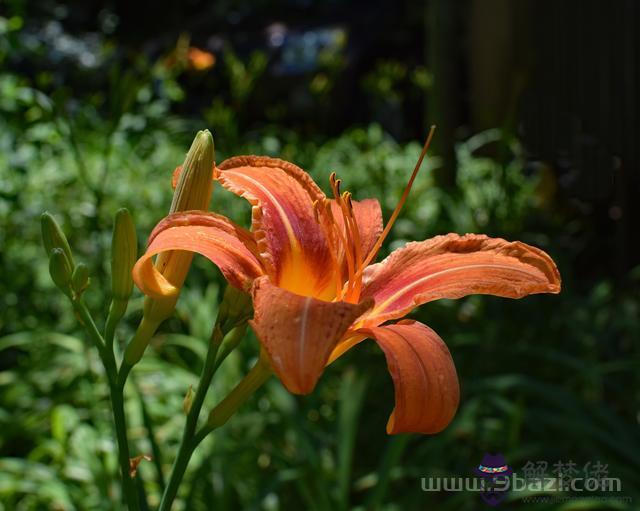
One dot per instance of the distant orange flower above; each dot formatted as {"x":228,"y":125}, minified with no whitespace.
{"x":306,"y":262}
{"x":189,"y":57}
{"x":200,"y":60}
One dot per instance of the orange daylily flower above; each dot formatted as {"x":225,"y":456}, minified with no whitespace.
{"x":185,"y":56}
{"x":307,"y":262}
{"x":200,"y":60}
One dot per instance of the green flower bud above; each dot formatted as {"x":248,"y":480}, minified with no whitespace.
{"x":188,"y":400}
{"x":193,"y":190}
{"x":60,"y":270}
{"x":80,"y":278}
{"x":124,"y":251}
{"x":235,"y":309}
{"x":53,"y":237}
{"x":230,"y":342}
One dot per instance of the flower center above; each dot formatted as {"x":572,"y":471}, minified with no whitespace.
{"x":343,"y":234}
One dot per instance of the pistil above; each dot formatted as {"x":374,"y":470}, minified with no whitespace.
{"x":396,"y":212}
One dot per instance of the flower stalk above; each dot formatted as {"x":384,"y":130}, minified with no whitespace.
{"x":254,"y":379}
{"x":72,"y":279}
{"x":129,"y":491}
{"x":228,"y":331}
{"x":191,"y":438}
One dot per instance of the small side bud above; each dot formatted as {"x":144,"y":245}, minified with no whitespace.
{"x":80,"y":278}
{"x":124,"y":251}
{"x":188,"y":400}
{"x":60,"y":270}
{"x":53,"y":237}
{"x":230,"y":342}
{"x":235,"y":309}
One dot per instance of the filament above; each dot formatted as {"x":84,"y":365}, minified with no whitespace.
{"x":350,"y":239}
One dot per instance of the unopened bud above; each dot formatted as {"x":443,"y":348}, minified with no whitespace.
{"x":235,"y":309}
{"x":53,"y":237}
{"x":230,"y":342}
{"x":124,"y":251}
{"x":193,"y":190}
{"x":188,"y":401}
{"x":80,"y":278}
{"x":60,"y":270}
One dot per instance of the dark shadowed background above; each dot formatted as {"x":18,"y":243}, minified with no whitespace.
{"x":537,"y":113}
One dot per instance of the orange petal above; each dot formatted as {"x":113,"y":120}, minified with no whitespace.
{"x":454,"y":266}
{"x":368,"y":215}
{"x":299,"y":332}
{"x":227,"y":245}
{"x":424,"y":376}
{"x":290,"y":241}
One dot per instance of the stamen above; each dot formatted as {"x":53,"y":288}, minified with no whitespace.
{"x":333,"y":249}
{"x":354,"y":226}
{"x":335,"y":185}
{"x":346,"y":237}
{"x":396,"y":212}
{"x":343,"y":240}
{"x":349,"y":238}
{"x":353,"y":291}
{"x":347,"y":242}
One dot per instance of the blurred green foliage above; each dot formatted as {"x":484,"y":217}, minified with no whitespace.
{"x":547,"y":378}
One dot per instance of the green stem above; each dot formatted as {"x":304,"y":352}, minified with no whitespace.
{"x":110,"y":330}
{"x":254,"y":379}
{"x":123,"y":373}
{"x":155,"y":448}
{"x":144,"y":333}
{"x":128,"y":484}
{"x":117,"y":310}
{"x":117,"y":401}
{"x":142,"y":495}
{"x":188,"y":443}
{"x":187,"y":446}
{"x":84,"y":317}
{"x":218,"y":416}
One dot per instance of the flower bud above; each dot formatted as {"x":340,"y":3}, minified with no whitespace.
{"x":188,"y":400}
{"x":235,"y":309}
{"x":53,"y":237}
{"x":193,"y":191}
{"x":124,"y":251}
{"x":60,"y":270}
{"x":80,"y":278}
{"x":230,"y":342}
